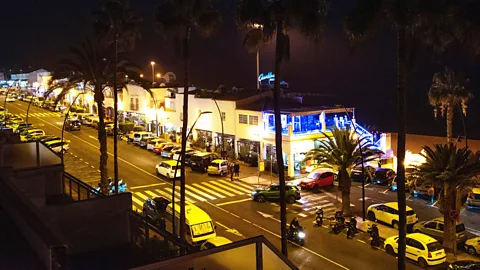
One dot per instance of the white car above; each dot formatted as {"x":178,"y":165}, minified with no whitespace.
{"x":56,"y":146}
{"x":473,"y":246}
{"x":215,"y":242}
{"x":388,"y":213}
{"x":167,"y":169}
{"x":10,"y":99}
{"x":420,"y":248}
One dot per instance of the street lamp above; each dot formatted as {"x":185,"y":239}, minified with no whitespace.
{"x":258,"y":26}
{"x":180,"y":157}
{"x":141,"y":75}
{"x":363,"y":160}
{"x":65,"y":120}
{"x":153,"y":71}
{"x":221,"y":121}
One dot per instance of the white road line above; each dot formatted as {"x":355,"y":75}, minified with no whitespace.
{"x":210,"y":191}
{"x":200,"y":192}
{"x":226,"y":187}
{"x":178,"y":193}
{"x":218,"y":189}
{"x":322,"y":206}
{"x":244,"y":185}
{"x":140,"y":194}
{"x":235,"y":186}
{"x":302,"y":214}
{"x":191,"y":194}
{"x":315,"y":202}
{"x":152,"y":195}
{"x":137,"y":201}
{"x":166,"y":195}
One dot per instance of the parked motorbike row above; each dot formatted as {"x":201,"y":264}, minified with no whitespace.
{"x":122,"y":186}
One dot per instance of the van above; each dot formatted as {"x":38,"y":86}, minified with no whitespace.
{"x":218,"y":167}
{"x":200,"y":226}
{"x":138,"y":136}
{"x":200,"y":161}
{"x":473,"y":199}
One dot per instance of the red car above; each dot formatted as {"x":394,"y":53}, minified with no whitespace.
{"x":319,"y":178}
{"x":158,"y":148}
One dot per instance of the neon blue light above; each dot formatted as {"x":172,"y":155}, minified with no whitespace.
{"x":268,"y":76}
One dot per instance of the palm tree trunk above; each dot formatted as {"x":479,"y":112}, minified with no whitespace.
{"x":102,"y":138}
{"x":402,"y":122}
{"x":345,"y":185}
{"x":449,"y":230}
{"x":186,"y":60}
{"x":278,"y":138}
{"x":450,"y":122}
{"x":115,"y":119}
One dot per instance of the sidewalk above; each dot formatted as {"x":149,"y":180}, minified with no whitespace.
{"x":250,"y":175}
{"x":386,"y":232}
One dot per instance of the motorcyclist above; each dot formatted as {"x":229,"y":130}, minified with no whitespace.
{"x":374,"y":234}
{"x":319,"y":216}
{"x":353,"y":223}
{"x":294,"y":226}
{"x":339,"y":217}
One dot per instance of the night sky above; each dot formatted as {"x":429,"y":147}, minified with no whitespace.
{"x":37,"y":34}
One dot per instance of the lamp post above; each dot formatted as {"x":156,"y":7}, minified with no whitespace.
{"x":258,"y":26}
{"x":153,"y":71}
{"x":65,"y":120}
{"x":363,"y":160}
{"x":180,"y":157}
{"x":221,"y":121}
{"x":28,"y":110}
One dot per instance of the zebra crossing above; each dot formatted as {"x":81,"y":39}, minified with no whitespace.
{"x":310,"y":202}
{"x":196,"y":192}
{"x":46,"y":114}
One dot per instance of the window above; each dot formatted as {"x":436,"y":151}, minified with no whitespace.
{"x":134,"y":105}
{"x":253,"y":120}
{"x":416,"y":244}
{"x":431,"y":225}
{"x":440,"y":226}
{"x":224,"y":116}
{"x":181,"y":116}
{"x":242,"y":119}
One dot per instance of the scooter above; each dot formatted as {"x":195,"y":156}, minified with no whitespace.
{"x":122,"y":187}
{"x":297,"y":236}
{"x":319,"y":217}
{"x":374,"y":236}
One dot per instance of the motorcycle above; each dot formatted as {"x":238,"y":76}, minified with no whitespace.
{"x":122,"y":187}
{"x":352,"y":228}
{"x":336,"y":225}
{"x":374,"y":236}
{"x":319,"y":217}
{"x":297,"y":236}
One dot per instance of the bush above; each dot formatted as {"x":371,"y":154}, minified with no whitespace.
{"x":126,"y":127}
{"x":138,"y":128}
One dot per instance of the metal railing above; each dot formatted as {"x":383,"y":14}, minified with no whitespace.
{"x":78,"y":190}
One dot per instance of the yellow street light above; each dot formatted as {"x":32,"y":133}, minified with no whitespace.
{"x":153,"y":71}
{"x":159,"y":75}
{"x":141,"y":75}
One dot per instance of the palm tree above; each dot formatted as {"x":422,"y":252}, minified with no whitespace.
{"x":448,"y":93}
{"x":342,"y":151}
{"x":414,"y":23}
{"x":181,"y":19}
{"x":276,"y":18}
{"x":454,"y":169}
{"x":116,"y":26}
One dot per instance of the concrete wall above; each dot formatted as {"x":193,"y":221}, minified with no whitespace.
{"x":93,"y":224}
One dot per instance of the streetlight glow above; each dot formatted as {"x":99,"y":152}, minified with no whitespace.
{"x":159,"y":75}
{"x":141,"y":75}
{"x":153,"y":71}
{"x":152,"y":63}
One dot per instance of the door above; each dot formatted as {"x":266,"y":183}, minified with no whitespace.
{"x":431,"y":229}
{"x":273,"y":192}
{"x":381,"y":213}
{"x":417,"y":249}
{"x":390,"y":215}
{"x":410,"y":252}
{"x":326,"y":179}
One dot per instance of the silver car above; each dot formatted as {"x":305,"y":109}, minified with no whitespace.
{"x":434,"y":228}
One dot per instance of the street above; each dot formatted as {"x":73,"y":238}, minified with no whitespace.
{"x":229,"y":203}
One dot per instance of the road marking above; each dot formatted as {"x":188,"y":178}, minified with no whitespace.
{"x":137,"y":201}
{"x":99,"y":171}
{"x":75,"y":156}
{"x":221,"y":225}
{"x":91,"y":137}
{"x":139,"y":194}
{"x":302,"y":214}
{"x":146,"y":186}
{"x":361,"y":241}
{"x":232,"y":202}
{"x":225,"y":187}
{"x":81,"y":159}
{"x":244,"y":185}
{"x":86,"y":162}
{"x":187,"y":192}
{"x":153,"y":195}
{"x":178,"y":193}
{"x":93,"y":167}
{"x":208,"y":190}
{"x":218,"y":189}
{"x":246,"y":221}
{"x":385,"y":191}
{"x":267,"y":216}
{"x":166,"y":195}
{"x":366,"y":185}
{"x":408,"y":198}
{"x":234,"y":186}
{"x":200,"y":192}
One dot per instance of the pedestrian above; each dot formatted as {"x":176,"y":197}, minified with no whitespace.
{"x":230,"y":168}
{"x":236,"y":169}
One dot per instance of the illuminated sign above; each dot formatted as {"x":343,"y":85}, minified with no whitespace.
{"x":268,"y":76}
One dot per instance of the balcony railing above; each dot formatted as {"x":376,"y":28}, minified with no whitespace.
{"x":78,"y":190}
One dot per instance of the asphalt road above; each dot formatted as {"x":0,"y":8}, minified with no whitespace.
{"x":229,"y":204}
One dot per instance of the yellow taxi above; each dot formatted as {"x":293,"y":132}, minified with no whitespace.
{"x":420,"y":248}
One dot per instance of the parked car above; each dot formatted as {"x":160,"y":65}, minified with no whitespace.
{"x":465,"y":265}
{"x":421,"y":188}
{"x":434,"y":228}
{"x":10,"y":99}
{"x":30,"y":133}
{"x":167,"y":169}
{"x":383,"y":176}
{"x":152,"y":142}
{"x":199,"y":162}
{"x":56,"y":146}
{"x":420,"y":248}
{"x":388,"y":213}
{"x":218,"y":167}
{"x":144,"y":141}
{"x":72,"y":124}
{"x":167,"y":151}
{"x":21,"y":126}
{"x":158,"y":148}
{"x":356,"y":175}
{"x":37,"y":101}
{"x":472,"y":246}
{"x":88,"y":120}
{"x":176,"y":152}
{"x":272,"y":192}
{"x":109,"y":129}
{"x":137,"y":136}
{"x":473,"y":199}
{"x":215,"y":242}
{"x":49,"y":138}
{"x":189,"y":155}
{"x":320,"y":177}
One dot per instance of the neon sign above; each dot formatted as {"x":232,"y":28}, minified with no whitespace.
{"x":268,"y":76}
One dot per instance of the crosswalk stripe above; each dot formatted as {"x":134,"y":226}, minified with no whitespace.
{"x":244,"y":185}
{"x":200,"y":192}
{"x":166,"y":195}
{"x":309,"y":195}
{"x":210,"y":191}
{"x":237,"y":187}
{"x":140,"y":194}
{"x":152,"y":195}
{"x":227,"y":188}
{"x":315,"y":203}
{"x":309,"y":199}
{"x":192,"y":194}
{"x":322,"y":206}
{"x":137,"y":201}
{"x":186,"y":198}
{"x":219,"y":190}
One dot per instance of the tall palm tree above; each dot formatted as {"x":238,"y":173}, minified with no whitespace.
{"x":116,"y":26}
{"x":342,"y":151}
{"x":181,"y":19}
{"x":89,"y":66}
{"x":414,"y":23}
{"x":454,"y":169}
{"x":277,"y":17}
{"x":447,"y":94}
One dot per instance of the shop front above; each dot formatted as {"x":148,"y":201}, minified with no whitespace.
{"x":248,"y":151}
{"x":138,"y":119}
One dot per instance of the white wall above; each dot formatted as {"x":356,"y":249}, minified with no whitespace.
{"x":248,"y":131}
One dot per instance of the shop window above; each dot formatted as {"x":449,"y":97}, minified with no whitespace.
{"x":224,"y":116}
{"x":242,"y":119}
{"x":253,"y":120}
